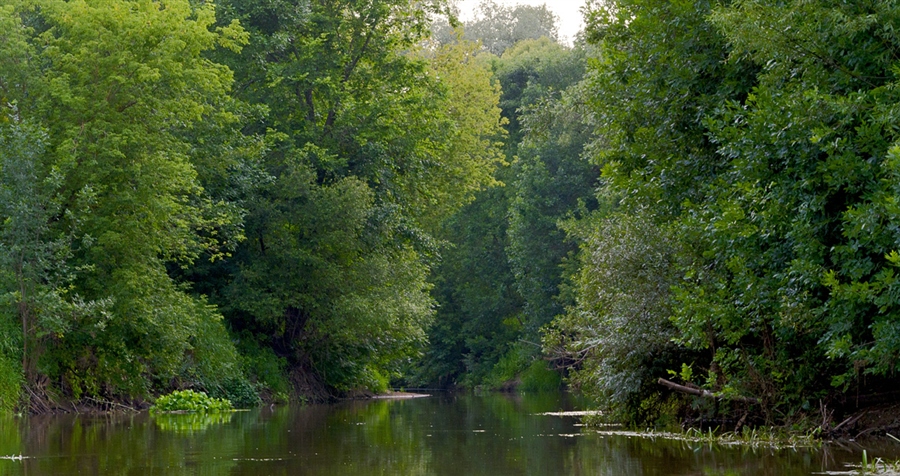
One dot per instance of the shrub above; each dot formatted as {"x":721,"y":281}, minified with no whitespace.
{"x":507,"y":370}
{"x":538,"y":377}
{"x":10,"y":384}
{"x":619,"y":331}
{"x":11,"y":378}
{"x":239,"y":391}
{"x":266,"y":370}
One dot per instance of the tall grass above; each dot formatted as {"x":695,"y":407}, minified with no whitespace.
{"x":11,"y":377}
{"x":10,"y":384}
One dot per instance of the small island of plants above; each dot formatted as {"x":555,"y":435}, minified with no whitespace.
{"x":190,"y":401}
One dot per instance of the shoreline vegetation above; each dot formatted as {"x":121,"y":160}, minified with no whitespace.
{"x":691,"y":215}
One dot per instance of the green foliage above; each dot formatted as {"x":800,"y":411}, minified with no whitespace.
{"x":811,"y":246}
{"x":649,"y":89}
{"x":758,"y":136}
{"x":319,"y":278}
{"x":532,"y":71}
{"x":480,"y":311}
{"x":265,"y":368}
{"x":11,"y":381}
{"x":744,"y":225}
{"x":340,"y":76}
{"x":237,"y":390}
{"x":12,"y":375}
{"x":499,"y":27}
{"x":139,"y":195}
{"x":473,"y":149}
{"x":506,"y":372}
{"x":115,"y":87}
{"x":377,"y":381}
{"x":499,"y":281}
{"x":686,"y":374}
{"x":618,"y":330}
{"x":190,"y":401}
{"x":518,"y":369}
{"x":31,"y":260}
{"x":539,"y":377}
{"x":373,"y":145}
{"x":552,"y":180}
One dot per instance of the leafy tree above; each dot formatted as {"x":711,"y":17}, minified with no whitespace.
{"x":480,"y":311}
{"x":472,"y":148}
{"x":29,"y":258}
{"x":534,"y":70}
{"x":117,"y":85}
{"x":760,"y":133}
{"x":820,"y":230}
{"x":499,"y":281}
{"x":342,"y":301}
{"x":617,"y":334}
{"x":499,"y":27}
{"x":659,"y":69}
{"x":337,"y":75}
{"x":373,"y":144}
{"x":552,"y":181}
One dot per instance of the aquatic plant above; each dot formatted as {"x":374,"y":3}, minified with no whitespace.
{"x":190,"y":401}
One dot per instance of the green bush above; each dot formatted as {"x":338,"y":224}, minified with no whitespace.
{"x":190,"y":401}
{"x":264,"y":368}
{"x":376,"y":381}
{"x":619,"y":329}
{"x":10,"y":384}
{"x":507,"y":369}
{"x":538,"y":377}
{"x":239,"y":391}
{"x":521,"y":368}
{"x":11,"y":377}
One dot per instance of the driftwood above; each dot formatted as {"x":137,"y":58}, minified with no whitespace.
{"x":848,"y":422}
{"x":704,"y":393}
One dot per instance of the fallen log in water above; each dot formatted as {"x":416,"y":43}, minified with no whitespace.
{"x":704,"y":393}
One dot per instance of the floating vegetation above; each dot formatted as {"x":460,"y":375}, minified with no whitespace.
{"x":259,"y":459}
{"x":14,"y":457}
{"x":578,"y":413}
{"x":765,"y":437}
{"x":190,"y":401}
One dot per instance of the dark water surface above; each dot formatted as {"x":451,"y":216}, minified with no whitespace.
{"x":440,"y":435}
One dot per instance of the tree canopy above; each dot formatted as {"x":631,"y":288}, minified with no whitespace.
{"x":753,"y":136}
{"x":179,"y":178}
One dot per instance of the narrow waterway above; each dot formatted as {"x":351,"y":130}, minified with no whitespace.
{"x":440,"y":435}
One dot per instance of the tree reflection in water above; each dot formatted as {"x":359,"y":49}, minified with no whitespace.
{"x":447,"y":434}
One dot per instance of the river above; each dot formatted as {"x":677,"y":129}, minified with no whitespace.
{"x":446,"y":434}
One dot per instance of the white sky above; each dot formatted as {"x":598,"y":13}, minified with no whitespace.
{"x":568,"y":11}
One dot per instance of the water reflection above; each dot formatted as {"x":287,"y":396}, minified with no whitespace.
{"x":444,"y":434}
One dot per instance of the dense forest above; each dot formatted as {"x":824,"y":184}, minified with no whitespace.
{"x":272,"y":200}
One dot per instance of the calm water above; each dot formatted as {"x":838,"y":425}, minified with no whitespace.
{"x":445,"y":434}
